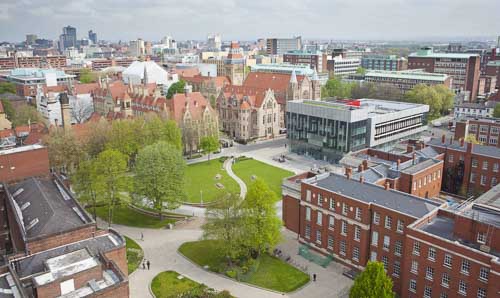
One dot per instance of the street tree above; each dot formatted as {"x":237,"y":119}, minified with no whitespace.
{"x":111,"y":167}
{"x":373,"y":282}
{"x":96,"y":141}
{"x":209,"y":144}
{"x":262,"y":225}
{"x":86,"y":184}
{"x":156,"y":129}
{"x":81,"y":111}
{"x":159,"y":175}
{"x":471,"y":138}
{"x":225,"y":223}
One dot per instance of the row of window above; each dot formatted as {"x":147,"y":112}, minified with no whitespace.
{"x":484,"y":180}
{"x":331,"y":224}
{"x":330,"y":243}
{"x":388,"y":222}
{"x":331,"y":204}
{"x":462,"y":289}
{"x":494,"y":130}
{"x":427,"y":179}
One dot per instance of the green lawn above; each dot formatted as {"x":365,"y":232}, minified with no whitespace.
{"x":168,"y":285}
{"x":123,"y":215}
{"x":201,"y":177}
{"x":271,"y":273}
{"x":273,"y":176}
{"x":134,"y":254}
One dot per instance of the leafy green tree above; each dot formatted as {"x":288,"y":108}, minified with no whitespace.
{"x":125,"y":137}
{"x":360,"y":70}
{"x":471,"y":138}
{"x":209,"y":144}
{"x":177,"y":87}
{"x":373,"y":282}
{"x":157,"y":129}
{"x":87,"y":76}
{"x":159,"y":175}
{"x":7,"y":87}
{"x":8,"y":109}
{"x":111,"y":166}
{"x":496,"y":111}
{"x":262,"y":225}
{"x":365,"y":90}
{"x":336,"y":88}
{"x":86,"y":183}
{"x":213,"y":101}
{"x":96,"y":141}
{"x":224,"y":222}
{"x":26,"y":115}
{"x":64,"y":150}
{"x":439,"y":98}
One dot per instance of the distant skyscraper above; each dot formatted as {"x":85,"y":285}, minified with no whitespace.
{"x":279,"y":46}
{"x":68,"y":38}
{"x":93,"y":37}
{"x":31,"y":38}
{"x":214,"y":42}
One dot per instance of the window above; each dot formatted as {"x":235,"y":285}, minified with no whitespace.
{"x":318,"y":236}
{"x":308,"y":214}
{"x":308,"y":231}
{"x":414,"y":267}
{"x":374,"y":238}
{"x":332,"y":204}
{"x":443,"y":295}
{"x":331,"y":222}
{"x":388,"y":222}
{"x":462,"y":288}
{"x":358,"y":213}
{"x":427,"y":292}
{"x":398,"y":247}
{"x":400,"y":226}
{"x":439,"y":173}
{"x":445,"y":280}
{"x":342,"y":247}
{"x":414,"y":185}
{"x":355,"y":253}
{"x":429,"y":273}
{"x":485,"y":165}
{"x":481,"y":293}
{"x":385,"y":261}
{"x":450,"y":158}
{"x":483,"y":180}
{"x":308,"y":195}
{"x":474,"y":163}
{"x":373,"y":256}
{"x":344,"y":228}
{"x":465,"y":267}
{"x":320,"y":200}
{"x":472,"y":177}
{"x":495,"y":167}
{"x":357,"y":233}
{"x":431,"y":255}
{"x":319,"y":218}
{"x":447,"y":260}
{"x":376,"y":218}
{"x":484,"y":273}
{"x":493,"y":181}
{"x":416,"y":248}
{"x":344,"y":208}
{"x":387,"y":242}
{"x":330,"y":241}
{"x":481,"y":238}
{"x":413,"y":285}
{"x":396,"y":268}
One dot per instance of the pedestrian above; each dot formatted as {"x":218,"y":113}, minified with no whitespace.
{"x":314,"y":276}
{"x":144,"y":264}
{"x":142,"y":236}
{"x":150,"y":264}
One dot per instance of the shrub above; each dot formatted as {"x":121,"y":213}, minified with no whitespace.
{"x":231,"y":274}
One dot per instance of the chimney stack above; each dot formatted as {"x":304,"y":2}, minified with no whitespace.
{"x":361,"y":179}
{"x":387,"y":185}
{"x":462,"y":142}
{"x":409,"y":148}
{"x":414,"y":157}
{"x":348,"y":172}
{"x":469,"y":147}
{"x":360,"y":168}
{"x":365,"y":164}
{"x":443,"y":138}
{"x":451,"y":140}
{"x":398,"y":163}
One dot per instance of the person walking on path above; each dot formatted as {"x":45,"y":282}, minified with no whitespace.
{"x":148,"y":264}
{"x":144,"y":264}
{"x":142,"y":236}
{"x":314,"y":275}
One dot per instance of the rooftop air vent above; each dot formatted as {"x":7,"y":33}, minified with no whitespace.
{"x":32,"y":224}
{"x":18,"y":192}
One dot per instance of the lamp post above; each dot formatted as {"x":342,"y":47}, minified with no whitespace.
{"x":201,"y":196}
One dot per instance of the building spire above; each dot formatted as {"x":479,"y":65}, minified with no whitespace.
{"x":315,"y":75}
{"x":293,"y":78}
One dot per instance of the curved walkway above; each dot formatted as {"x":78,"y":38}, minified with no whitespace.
{"x":228,"y":166}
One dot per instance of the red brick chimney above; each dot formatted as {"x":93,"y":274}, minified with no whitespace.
{"x":361,"y":179}
{"x":360,"y":168}
{"x":409,"y":148}
{"x":398,"y":163}
{"x":443,"y":138}
{"x":420,"y":145}
{"x":387,"y":185}
{"x":348,"y":172}
{"x":365,"y":164}
{"x":469,"y":147}
{"x":462,"y":142}
{"x":451,"y":140}
{"x":414,"y":157}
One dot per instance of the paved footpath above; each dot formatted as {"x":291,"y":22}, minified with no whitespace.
{"x":228,"y":166}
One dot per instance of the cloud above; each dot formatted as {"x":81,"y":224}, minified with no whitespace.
{"x":245,"y":20}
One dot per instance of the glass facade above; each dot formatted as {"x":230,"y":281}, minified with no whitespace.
{"x":324,"y":139}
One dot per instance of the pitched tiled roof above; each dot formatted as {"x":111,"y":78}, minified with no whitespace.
{"x":194,"y":101}
{"x":85,"y":88}
{"x":187,"y":72}
{"x":254,"y":95}
{"x":273,"y":81}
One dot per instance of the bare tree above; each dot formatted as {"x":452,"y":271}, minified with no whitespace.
{"x":81,"y":110}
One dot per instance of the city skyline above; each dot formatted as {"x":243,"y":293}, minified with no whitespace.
{"x":363,"y":20}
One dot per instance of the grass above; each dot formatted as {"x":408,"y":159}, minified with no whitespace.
{"x":123,"y":215}
{"x":201,"y":177}
{"x":271,"y":273}
{"x":168,"y":285}
{"x":273,"y":176}
{"x":134,"y":254}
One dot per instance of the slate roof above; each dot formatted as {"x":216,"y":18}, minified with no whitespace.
{"x":476,"y":149}
{"x":374,"y":194}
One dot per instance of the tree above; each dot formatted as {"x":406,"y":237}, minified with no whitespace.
{"x":125,"y":137}
{"x":373,"y":282}
{"x":87,"y":76}
{"x":7,"y":87}
{"x":111,"y":166}
{"x":213,"y":101}
{"x":360,"y":70}
{"x":96,"y":142}
{"x":64,"y":150}
{"x":209,"y":144}
{"x":262,"y":225}
{"x":365,"y":90}
{"x":25,"y":115}
{"x":496,"y":111}
{"x":177,"y":87}
{"x":8,"y":109}
{"x":86,"y":183}
{"x":224,"y":222}
{"x":156,"y":129}
{"x":471,"y":138}
{"x":159,"y":175}
{"x":81,"y":111}
{"x":439,"y":98}
{"x":336,"y":88}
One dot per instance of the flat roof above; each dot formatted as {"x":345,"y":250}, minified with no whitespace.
{"x":410,"y":75}
{"x":476,"y":149}
{"x":494,"y":63}
{"x":44,"y":207}
{"x":431,"y":54}
{"x":374,"y":194}
{"x":21,"y":149}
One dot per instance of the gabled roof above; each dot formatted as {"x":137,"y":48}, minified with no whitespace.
{"x":273,"y":81}
{"x":195,"y":102}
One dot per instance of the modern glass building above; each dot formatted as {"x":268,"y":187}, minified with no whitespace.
{"x":327,"y":130}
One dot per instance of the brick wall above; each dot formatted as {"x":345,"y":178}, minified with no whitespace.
{"x":20,"y":165}
{"x":290,"y":214}
{"x":52,"y":241}
{"x":119,"y":256}
{"x":80,"y":279}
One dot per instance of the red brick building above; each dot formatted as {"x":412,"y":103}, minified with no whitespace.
{"x":58,"y":62}
{"x":485,"y":130}
{"x":23,"y":162}
{"x":493,"y":69}
{"x":50,"y":246}
{"x":469,"y":169}
{"x":351,"y":220}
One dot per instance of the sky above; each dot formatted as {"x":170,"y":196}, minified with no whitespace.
{"x":251,"y":19}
